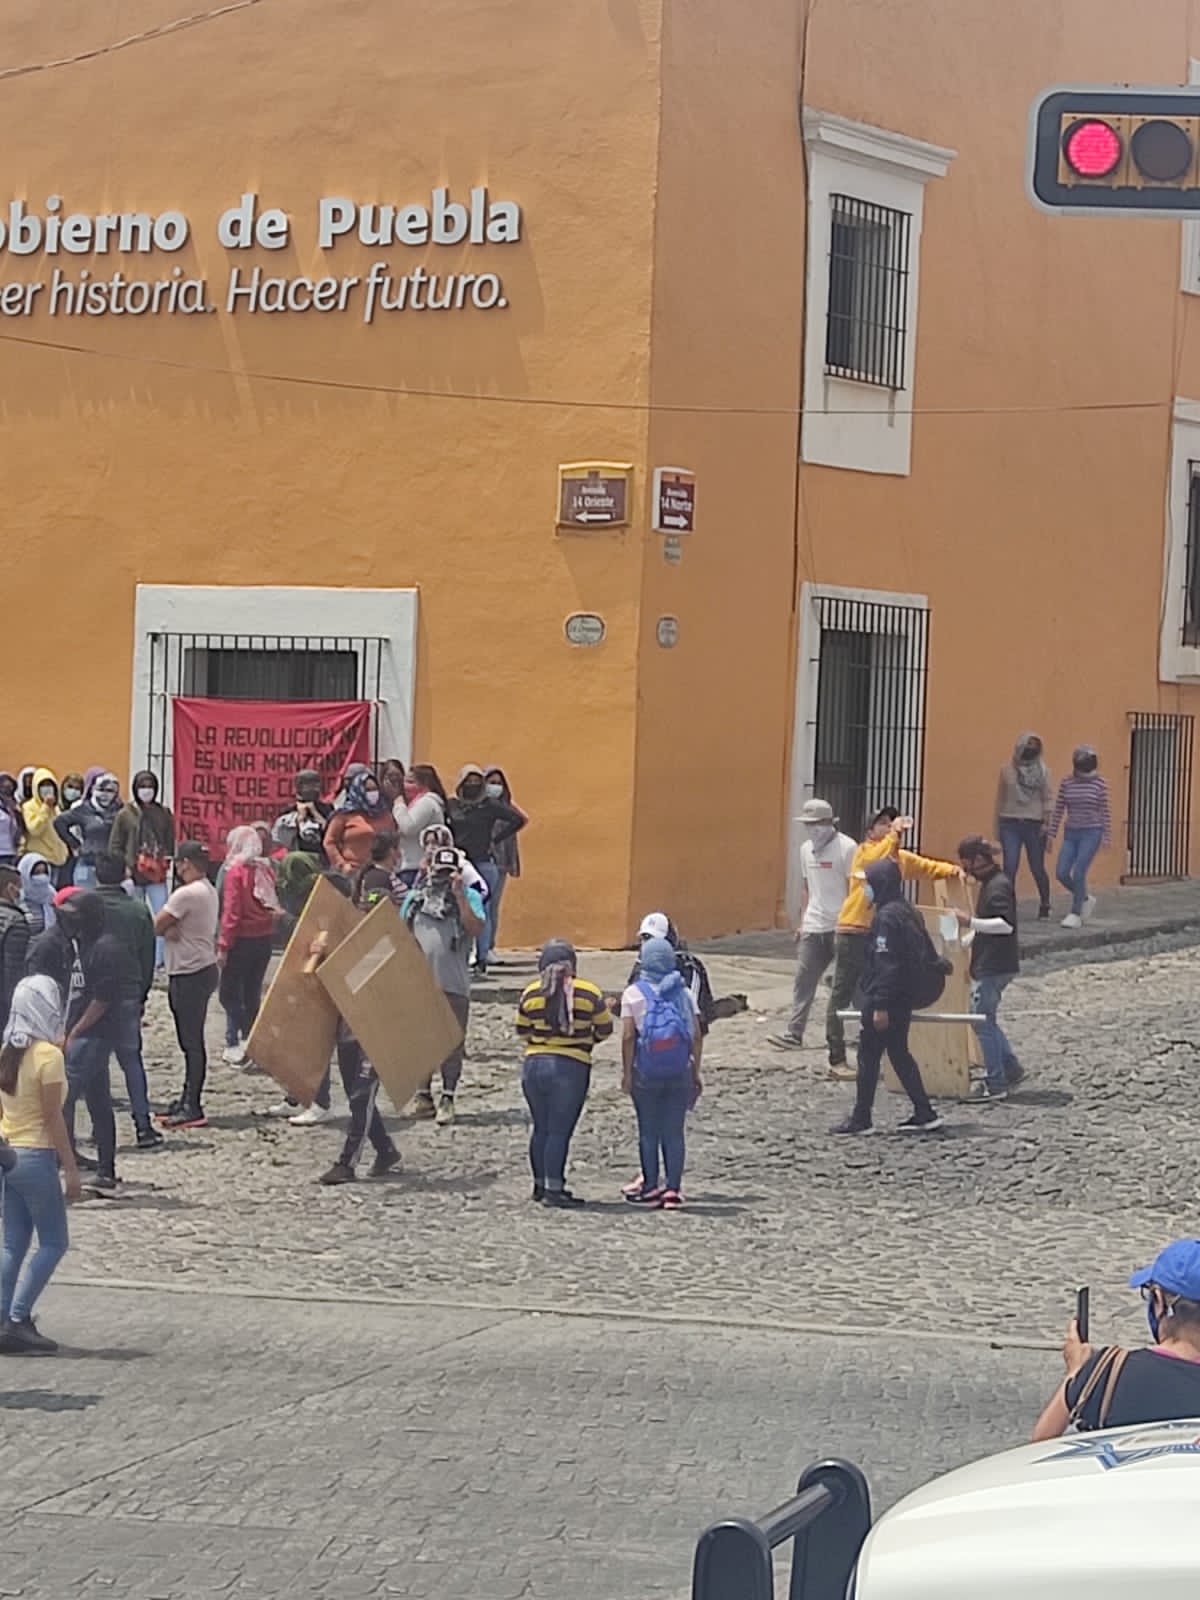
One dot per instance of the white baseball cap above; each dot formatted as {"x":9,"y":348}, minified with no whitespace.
{"x":655,"y":926}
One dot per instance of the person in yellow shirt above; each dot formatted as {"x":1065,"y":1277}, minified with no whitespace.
{"x":33,"y":1086}
{"x":887,"y":828}
{"x":39,"y":813}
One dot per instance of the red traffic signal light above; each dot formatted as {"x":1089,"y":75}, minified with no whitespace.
{"x":1098,"y":149}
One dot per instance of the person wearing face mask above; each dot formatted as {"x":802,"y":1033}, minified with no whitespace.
{"x":421,"y":805}
{"x":73,"y":790}
{"x":362,"y":814}
{"x":1024,"y":802}
{"x":506,"y":847}
{"x":825,"y":859}
{"x":14,"y":936}
{"x":302,"y":829}
{"x":1083,"y":801}
{"x":391,"y":780}
{"x":37,"y":891}
{"x":249,"y":906}
{"x":39,"y":814}
{"x":479,"y":821}
{"x":143,"y":834}
{"x":1115,"y":1388}
{"x":12,"y":824}
{"x":87,"y":827}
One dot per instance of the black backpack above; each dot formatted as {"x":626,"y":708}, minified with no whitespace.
{"x":929,"y":970}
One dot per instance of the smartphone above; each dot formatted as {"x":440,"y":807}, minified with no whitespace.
{"x":1083,"y":1308}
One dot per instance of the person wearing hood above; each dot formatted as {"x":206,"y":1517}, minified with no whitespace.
{"x":39,"y":814}
{"x":421,"y":805}
{"x":14,"y":937}
{"x":363,"y":813}
{"x":825,"y":859}
{"x":661,"y":1048}
{"x":32,"y":1090}
{"x":37,"y":891}
{"x":506,"y":847}
{"x":87,"y":828}
{"x":1024,"y":802}
{"x":480,"y":821}
{"x":143,"y":833}
{"x":301,"y":830}
{"x":1083,"y":801}
{"x":249,"y":906}
{"x":25,"y":784}
{"x":561,"y":1018}
{"x":12,"y":823}
{"x":130,"y":924}
{"x":894,"y":958}
{"x":658,"y":925}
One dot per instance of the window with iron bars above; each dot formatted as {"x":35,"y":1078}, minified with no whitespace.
{"x":866,"y":331}
{"x":1191,"y":589}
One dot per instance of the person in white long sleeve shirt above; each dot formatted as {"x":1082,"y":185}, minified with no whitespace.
{"x":991,"y":931}
{"x":825,"y":858}
{"x":421,"y":805}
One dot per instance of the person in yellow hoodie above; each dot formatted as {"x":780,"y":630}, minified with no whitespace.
{"x":39,"y":813}
{"x":887,"y":828}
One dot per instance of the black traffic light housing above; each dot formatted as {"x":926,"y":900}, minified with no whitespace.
{"x":1097,"y":150}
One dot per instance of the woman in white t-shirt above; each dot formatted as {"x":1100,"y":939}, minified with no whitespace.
{"x":187,"y":925}
{"x":661,"y":1045}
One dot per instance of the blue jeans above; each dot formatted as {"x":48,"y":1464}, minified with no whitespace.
{"x":998,"y":1059}
{"x":1078,"y":851}
{"x":154,"y":897}
{"x":555,"y":1088}
{"x":87,"y":1080}
{"x":661,"y":1106}
{"x":1025,"y":833}
{"x":486,"y":937}
{"x":125,"y":1032}
{"x":33,"y":1202}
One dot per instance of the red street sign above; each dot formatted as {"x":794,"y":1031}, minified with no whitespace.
{"x":674,"y":500}
{"x":593,"y":499}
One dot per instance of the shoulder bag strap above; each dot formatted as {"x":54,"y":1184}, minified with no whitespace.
{"x":1099,"y":1373}
{"x":1110,"y":1388}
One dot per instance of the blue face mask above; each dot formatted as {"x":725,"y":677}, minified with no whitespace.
{"x":870,"y":894}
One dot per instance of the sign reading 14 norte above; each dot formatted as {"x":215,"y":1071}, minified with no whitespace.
{"x":593,"y":494}
{"x":674,"y":500}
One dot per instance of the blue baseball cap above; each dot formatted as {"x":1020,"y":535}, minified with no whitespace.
{"x":1175,"y":1269}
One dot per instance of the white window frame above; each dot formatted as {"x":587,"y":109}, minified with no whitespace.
{"x":804,"y":730}
{"x":862,"y":427}
{"x":1178,"y":662}
{"x":1189,"y":257}
{"x":387,"y":614}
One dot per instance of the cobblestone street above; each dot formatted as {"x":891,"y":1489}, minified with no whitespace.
{"x":522,"y":1403}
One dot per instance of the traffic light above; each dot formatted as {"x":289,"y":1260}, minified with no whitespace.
{"x":1098,"y":150}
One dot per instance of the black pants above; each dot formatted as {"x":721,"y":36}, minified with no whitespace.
{"x":871,"y":1045}
{"x":849,"y":957}
{"x":87,"y":1080}
{"x":555,"y":1089}
{"x":188,"y":994}
{"x":242,"y":981}
{"x":362,"y":1090}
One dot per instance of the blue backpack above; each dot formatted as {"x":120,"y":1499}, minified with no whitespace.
{"x":664,"y":1047}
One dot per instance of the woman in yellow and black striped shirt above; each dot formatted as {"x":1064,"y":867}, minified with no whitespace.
{"x":561,"y":1017}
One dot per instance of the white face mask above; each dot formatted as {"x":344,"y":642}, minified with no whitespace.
{"x":495,"y":791}
{"x":146,"y":795}
{"x":72,"y":795}
{"x":821,"y":834}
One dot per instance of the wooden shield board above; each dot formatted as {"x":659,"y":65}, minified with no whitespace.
{"x":294,"y":1036}
{"x":380,"y":981}
{"x":945,"y":1051}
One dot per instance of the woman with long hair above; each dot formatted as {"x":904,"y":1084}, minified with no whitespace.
{"x":12,"y":823}
{"x":561,"y":1017}
{"x":249,"y":907}
{"x":33,"y":1088}
{"x":480,"y":821}
{"x":421,"y":805}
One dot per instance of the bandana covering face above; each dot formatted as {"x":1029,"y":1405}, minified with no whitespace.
{"x":245,"y":848}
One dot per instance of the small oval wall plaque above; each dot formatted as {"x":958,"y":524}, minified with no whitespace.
{"x":667,"y":632}
{"x":585,"y":628}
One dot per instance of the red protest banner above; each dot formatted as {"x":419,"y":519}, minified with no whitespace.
{"x":235,"y":760}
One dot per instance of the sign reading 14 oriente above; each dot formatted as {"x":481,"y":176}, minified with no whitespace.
{"x":55,"y":232}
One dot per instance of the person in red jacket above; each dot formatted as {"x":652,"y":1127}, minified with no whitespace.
{"x":249,"y":906}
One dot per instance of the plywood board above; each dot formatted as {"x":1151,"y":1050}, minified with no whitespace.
{"x":380,"y":981}
{"x":294,"y":1036}
{"x":945,"y":1051}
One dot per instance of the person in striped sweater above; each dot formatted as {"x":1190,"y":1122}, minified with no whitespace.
{"x":1083,"y":801}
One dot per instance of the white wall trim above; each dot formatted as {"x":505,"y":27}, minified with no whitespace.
{"x":1189,"y":232}
{"x":387,"y":614}
{"x":1178,"y":662}
{"x":859,"y":426}
{"x":808,"y":657}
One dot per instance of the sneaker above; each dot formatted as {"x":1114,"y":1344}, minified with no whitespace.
{"x":1072,"y":921}
{"x":645,"y":1197}
{"x":1089,"y":905}
{"x":785,"y":1041}
{"x":172,"y":1110}
{"x":562,"y":1199}
{"x":23,"y":1339}
{"x":445,"y":1111}
{"x":337,"y":1174}
{"x":479,"y":970}
{"x":1015,"y":1076}
{"x":843,"y":1072}
{"x":312,"y":1116}
{"x":234,"y":1055}
{"x":538,"y":1195}
{"x":283,"y":1108}
{"x":149,"y":1138}
{"x":104,"y":1185}
{"x":423,"y":1108}
{"x":852,"y":1125}
{"x":86,"y":1163}
{"x":981,"y":1094}
{"x":383,"y":1164}
{"x":929,"y":1123}
{"x":1043,"y":914}
{"x":185,"y":1117}
{"x":672,"y":1200}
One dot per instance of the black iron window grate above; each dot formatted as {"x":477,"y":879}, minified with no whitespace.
{"x":1160,"y":794}
{"x":866,"y":333}
{"x":256,"y":666}
{"x":869,"y":737}
{"x":1191,"y":587}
